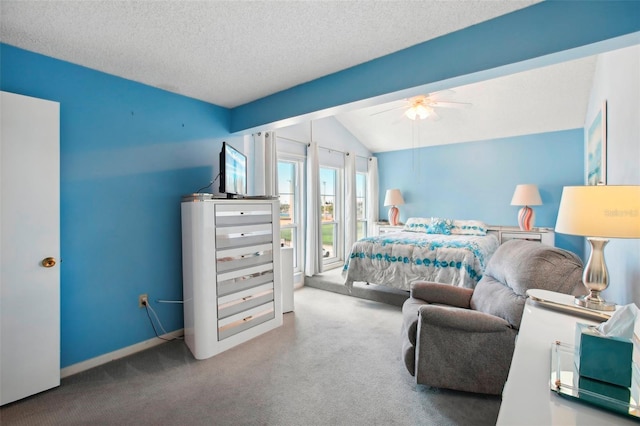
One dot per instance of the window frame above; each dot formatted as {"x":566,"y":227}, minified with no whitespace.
{"x":365,"y":217}
{"x":297,"y":223}
{"x":337,"y":259}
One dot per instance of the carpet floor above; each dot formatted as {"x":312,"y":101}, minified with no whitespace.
{"x":335,"y":361}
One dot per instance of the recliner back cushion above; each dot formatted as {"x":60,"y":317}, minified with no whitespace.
{"x":519,"y":265}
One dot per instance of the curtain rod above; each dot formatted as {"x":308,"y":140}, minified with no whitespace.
{"x":319,"y":146}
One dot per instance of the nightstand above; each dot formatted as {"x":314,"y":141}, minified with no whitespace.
{"x":506,"y":233}
{"x":386,"y":228}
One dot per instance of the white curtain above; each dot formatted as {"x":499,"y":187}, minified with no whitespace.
{"x":258,"y":163}
{"x":313,"y":246}
{"x":266,"y":164}
{"x":270,"y":164}
{"x":372,"y":194}
{"x":350,"y":211}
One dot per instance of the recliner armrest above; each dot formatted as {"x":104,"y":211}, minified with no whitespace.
{"x":445,"y":294}
{"x":463,"y":349}
{"x":466,"y":320}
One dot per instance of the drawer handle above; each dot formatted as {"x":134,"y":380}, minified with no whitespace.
{"x":247,"y":298}
{"x":247,"y":318}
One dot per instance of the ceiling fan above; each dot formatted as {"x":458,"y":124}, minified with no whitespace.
{"x":423,"y":106}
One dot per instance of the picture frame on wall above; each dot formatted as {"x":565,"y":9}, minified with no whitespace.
{"x":596,"y":148}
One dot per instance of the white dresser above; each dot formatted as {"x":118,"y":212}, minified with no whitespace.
{"x":231,"y":271}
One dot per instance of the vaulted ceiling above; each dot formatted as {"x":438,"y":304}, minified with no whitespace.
{"x":547,"y":99}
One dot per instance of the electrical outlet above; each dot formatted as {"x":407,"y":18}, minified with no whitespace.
{"x":143,"y":299}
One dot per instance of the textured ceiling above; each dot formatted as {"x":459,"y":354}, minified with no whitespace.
{"x":233,"y":52}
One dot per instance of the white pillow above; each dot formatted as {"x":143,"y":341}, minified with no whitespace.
{"x":468,"y":227}
{"x":417,"y":224}
{"x":430,"y":225}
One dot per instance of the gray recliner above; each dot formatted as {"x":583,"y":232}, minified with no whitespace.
{"x":463,"y":339}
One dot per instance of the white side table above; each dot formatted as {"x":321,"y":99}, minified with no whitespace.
{"x":527,"y":398}
{"x":286,"y":262}
{"x":385,"y":229}
{"x":506,"y":233}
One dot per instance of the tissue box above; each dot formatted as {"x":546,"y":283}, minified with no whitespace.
{"x":617,"y":397}
{"x":603,"y":358}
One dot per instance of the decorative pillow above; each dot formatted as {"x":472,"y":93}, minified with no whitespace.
{"x":439,"y":226}
{"x":469,"y":227}
{"x":417,"y":224}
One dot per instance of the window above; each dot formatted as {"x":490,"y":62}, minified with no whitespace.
{"x":289,"y":183}
{"x":361,"y":205}
{"x":330,"y":208}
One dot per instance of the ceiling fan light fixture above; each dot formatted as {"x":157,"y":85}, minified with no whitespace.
{"x":422,"y":111}
{"x":411,"y":113}
{"x":417,"y":111}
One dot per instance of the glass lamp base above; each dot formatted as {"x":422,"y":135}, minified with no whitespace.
{"x":598,"y":305}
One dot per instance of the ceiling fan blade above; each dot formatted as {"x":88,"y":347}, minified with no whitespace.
{"x":433,"y":116}
{"x":450,"y":104}
{"x":399,"y":121}
{"x":439,"y":93}
{"x":387,"y":110}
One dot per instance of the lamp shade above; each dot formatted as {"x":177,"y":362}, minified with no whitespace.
{"x":610,"y":211}
{"x":393,"y":197}
{"x":526,"y":195}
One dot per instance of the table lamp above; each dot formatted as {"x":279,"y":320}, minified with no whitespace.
{"x":599,"y":213}
{"x":526,"y":195}
{"x":393,"y":198}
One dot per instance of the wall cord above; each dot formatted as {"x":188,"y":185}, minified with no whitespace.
{"x":149,"y":308}
{"x":210,"y":183}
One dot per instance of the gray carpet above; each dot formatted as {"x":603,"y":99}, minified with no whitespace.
{"x":333,"y":280}
{"x":336,"y":361}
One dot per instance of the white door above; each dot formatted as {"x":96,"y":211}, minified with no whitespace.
{"x":29,"y":234}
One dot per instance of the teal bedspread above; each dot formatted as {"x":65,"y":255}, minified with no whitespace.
{"x":398,"y":259}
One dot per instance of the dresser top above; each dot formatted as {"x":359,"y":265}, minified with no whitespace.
{"x":195,"y":197}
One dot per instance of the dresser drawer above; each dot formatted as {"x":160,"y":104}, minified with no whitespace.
{"x":244,"y":300}
{"x":236,"y":273}
{"x":232,"y":283}
{"x":235,"y":215}
{"x":243,"y":257}
{"x":529,"y":236}
{"x":242,"y":321}
{"x":242,"y":236}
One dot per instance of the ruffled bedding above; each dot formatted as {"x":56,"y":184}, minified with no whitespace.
{"x":398,"y":259}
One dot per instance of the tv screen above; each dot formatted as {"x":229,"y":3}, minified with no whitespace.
{"x":233,"y":171}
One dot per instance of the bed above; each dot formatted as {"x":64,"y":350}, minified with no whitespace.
{"x":432,"y":249}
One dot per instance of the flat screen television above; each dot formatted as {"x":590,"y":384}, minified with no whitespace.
{"x":233,"y":171}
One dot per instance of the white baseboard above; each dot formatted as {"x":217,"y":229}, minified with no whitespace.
{"x":120,"y":353}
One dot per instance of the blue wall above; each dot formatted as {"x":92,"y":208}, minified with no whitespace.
{"x":476,"y":180}
{"x":128,"y":152}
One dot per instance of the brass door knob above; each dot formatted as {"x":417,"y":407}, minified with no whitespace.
{"x":48,"y":262}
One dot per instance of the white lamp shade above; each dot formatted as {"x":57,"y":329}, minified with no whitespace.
{"x":526,"y":195}
{"x":610,"y":211}
{"x":393,"y":197}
